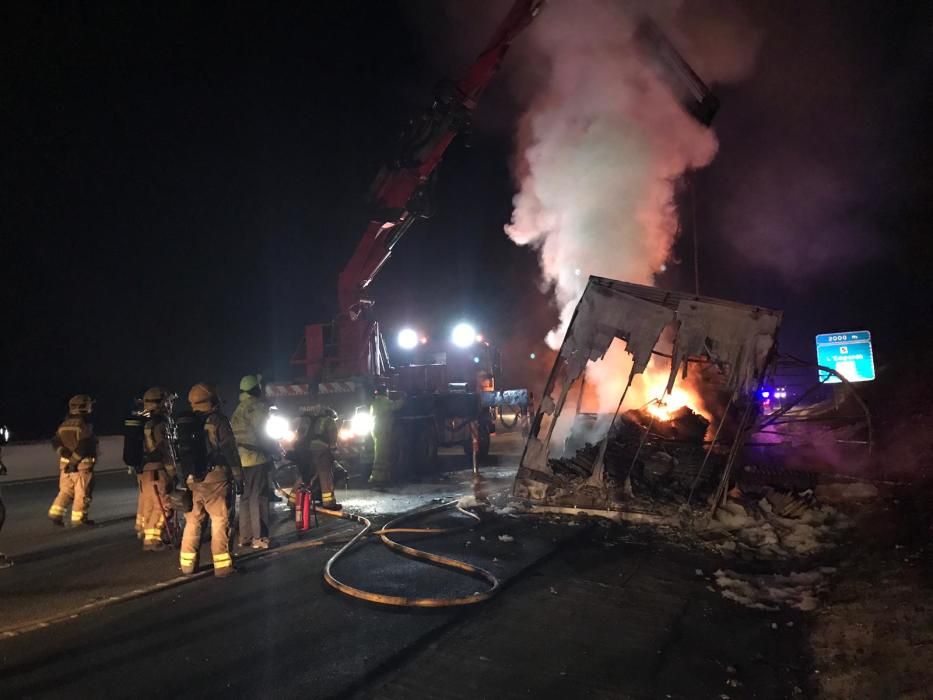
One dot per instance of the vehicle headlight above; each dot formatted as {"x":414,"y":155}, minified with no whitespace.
{"x":463,"y":335}
{"x":362,"y":424}
{"x":407,"y":339}
{"x":277,"y":427}
{"x":4,"y":435}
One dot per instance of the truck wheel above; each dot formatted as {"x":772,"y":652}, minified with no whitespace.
{"x":425,"y":450}
{"x":507,"y":423}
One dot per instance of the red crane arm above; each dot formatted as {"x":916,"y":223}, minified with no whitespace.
{"x":398,"y":189}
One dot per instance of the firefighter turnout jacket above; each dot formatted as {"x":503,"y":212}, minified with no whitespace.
{"x":222,"y":448}
{"x":249,"y":424}
{"x":76,"y":443}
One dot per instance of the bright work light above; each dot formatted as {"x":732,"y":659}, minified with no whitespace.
{"x":463,"y":336}
{"x":362,"y":423}
{"x":407,"y":339}
{"x":277,"y":427}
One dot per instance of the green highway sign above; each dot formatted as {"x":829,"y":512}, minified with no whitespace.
{"x":848,"y":353}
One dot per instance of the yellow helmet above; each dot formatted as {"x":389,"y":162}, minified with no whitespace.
{"x":81,"y":403}
{"x":250,"y":382}
{"x":155,"y":399}
{"x":202,"y":397}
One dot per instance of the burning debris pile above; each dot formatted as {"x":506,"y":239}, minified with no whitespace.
{"x":650,"y":450}
{"x":664,"y":459}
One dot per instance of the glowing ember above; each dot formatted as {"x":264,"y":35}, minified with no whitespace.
{"x":663,"y":409}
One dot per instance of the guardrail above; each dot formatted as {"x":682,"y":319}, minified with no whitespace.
{"x":37,"y":460}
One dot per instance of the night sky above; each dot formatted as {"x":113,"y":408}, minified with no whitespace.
{"x":180,"y":184}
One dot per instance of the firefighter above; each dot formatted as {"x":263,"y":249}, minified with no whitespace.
{"x":257,"y":453}
{"x":315,"y":449}
{"x":157,"y":478}
{"x":212,"y":496}
{"x":384,"y":410}
{"x":77,"y":451}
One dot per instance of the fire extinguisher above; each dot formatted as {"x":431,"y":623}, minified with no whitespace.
{"x":299,"y":503}
{"x":304,"y":509}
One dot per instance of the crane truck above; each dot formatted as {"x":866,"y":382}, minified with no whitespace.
{"x":449,"y":400}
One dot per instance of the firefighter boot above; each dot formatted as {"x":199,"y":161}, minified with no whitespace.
{"x":188,"y":561}
{"x":57,"y":515}
{"x":324,"y":466}
{"x":222,"y":569}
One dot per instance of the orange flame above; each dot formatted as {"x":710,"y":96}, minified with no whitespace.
{"x":648,"y":391}
{"x":665,"y":405}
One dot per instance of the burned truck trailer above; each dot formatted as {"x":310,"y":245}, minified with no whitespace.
{"x":722,"y":345}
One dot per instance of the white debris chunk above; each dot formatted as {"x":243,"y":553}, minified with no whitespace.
{"x":772,"y":536}
{"x":771,"y":592}
{"x":506,"y":538}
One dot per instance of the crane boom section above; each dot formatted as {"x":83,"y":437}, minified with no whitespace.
{"x":398,"y":190}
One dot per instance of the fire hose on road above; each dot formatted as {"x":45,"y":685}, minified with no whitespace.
{"x":393,"y":528}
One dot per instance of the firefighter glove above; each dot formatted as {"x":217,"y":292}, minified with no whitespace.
{"x":71,"y":468}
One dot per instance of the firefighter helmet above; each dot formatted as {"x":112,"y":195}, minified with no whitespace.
{"x":202,"y":397}
{"x":250,"y":382}
{"x":80,"y":404}
{"x":155,"y":399}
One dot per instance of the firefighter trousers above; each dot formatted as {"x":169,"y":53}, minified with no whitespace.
{"x":322,"y":461}
{"x":140,"y":520}
{"x":383,"y":448}
{"x":254,"y":504}
{"x":153,"y":498}
{"x":74,"y":490}
{"x":211,"y":499}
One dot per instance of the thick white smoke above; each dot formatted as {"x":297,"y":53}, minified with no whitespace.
{"x":600,"y":151}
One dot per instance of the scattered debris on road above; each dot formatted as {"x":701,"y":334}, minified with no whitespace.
{"x":773,"y":591}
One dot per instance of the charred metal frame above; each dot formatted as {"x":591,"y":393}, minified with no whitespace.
{"x":740,"y":339}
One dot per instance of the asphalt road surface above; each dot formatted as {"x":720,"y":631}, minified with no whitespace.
{"x":586,"y":610}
